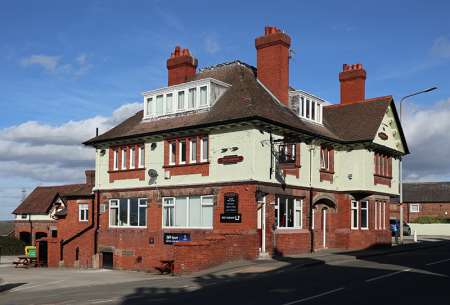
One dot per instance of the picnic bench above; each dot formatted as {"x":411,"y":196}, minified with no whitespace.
{"x":167,"y":267}
{"x":25,"y":261}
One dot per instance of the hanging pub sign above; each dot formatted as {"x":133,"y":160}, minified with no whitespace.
{"x":171,"y":238}
{"x":230,"y":203}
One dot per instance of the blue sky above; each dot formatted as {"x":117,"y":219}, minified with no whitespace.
{"x":66,"y":68}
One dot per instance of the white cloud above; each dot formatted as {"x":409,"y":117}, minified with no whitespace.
{"x":211,"y":44}
{"x":47,"y":153}
{"x":441,"y":47}
{"x":428,"y":137}
{"x":49,"y":63}
{"x":53,"y":64}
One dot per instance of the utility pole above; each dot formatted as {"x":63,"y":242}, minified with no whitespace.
{"x":401,"y":163}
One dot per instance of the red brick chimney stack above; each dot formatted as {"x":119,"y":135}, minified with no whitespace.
{"x":181,"y":66}
{"x":353,"y":83}
{"x":273,"y":62}
{"x":90,"y":177}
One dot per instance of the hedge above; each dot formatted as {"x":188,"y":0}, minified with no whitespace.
{"x":11,"y":246}
{"x":430,"y":219}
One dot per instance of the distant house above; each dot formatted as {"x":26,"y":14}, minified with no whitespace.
{"x":424,"y":199}
{"x":35,"y":217}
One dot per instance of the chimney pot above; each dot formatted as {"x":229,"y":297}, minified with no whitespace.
{"x":181,"y":66}
{"x":353,"y":83}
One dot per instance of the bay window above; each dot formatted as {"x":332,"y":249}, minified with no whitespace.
{"x":188,"y":212}
{"x":128,"y":212}
{"x":289,"y":212}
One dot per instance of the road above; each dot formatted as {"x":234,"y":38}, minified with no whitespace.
{"x":416,"y":277}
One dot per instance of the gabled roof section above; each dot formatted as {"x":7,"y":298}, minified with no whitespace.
{"x":245,"y":100}
{"x":40,"y":200}
{"x":359,"y":122}
{"x":426,"y":192}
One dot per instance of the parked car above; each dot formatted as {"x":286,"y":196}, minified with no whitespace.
{"x":395,"y":227}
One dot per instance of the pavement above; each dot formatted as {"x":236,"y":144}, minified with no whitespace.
{"x":328,"y":277}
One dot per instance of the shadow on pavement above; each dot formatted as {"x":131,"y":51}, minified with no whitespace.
{"x":9,"y":286}
{"x":291,"y":281}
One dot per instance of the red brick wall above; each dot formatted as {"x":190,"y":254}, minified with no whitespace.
{"x":69,"y":226}
{"x":132,"y":248}
{"x":428,"y":209}
{"x":36,"y":225}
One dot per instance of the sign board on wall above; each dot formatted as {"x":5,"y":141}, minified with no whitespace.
{"x":230,"y":203}
{"x":230,"y":218}
{"x":171,"y":238}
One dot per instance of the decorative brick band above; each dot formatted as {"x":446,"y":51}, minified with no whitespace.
{"x":127,"y":174}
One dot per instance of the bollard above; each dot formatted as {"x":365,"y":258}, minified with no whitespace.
{"x":415,"y":236}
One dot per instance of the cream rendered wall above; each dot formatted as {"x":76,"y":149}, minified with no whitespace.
{"x":390,"y":128}
{"x":254,"y":146}
{"x":154,"y":159}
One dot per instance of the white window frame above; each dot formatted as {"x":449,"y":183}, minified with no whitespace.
{"x":200,"y":96}
{"x":384,"y":215}
{"x":123,"y":164}
{"x":132,"y":158}
{"x":83,"y":207}
{"x":202,"y":153}
{"x":172,"y":154}
{"x":180,"y":155}
{"x":128,"y":226}
{"x":116,"y":159}
{"x":141,"y":156}
{"x":192,"y":143}
{"x":313,"y":216}
{"x":296,"y":208}
{"x":376,"y":216}
{"x":324,"y":155}
{"x":367,"y":213}
{"x":354,"y":205}
{"x":416,"y":208}
{"x":168,"y":105}
{"x":149,"y":106}
{"x":202,"y":204}
{"x":183,"y":93}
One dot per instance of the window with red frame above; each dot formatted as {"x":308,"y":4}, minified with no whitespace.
{"x":187,"y":150}
{"x":127,"y":157}
{"x":383,"y":165}
{"x":326,"y":159}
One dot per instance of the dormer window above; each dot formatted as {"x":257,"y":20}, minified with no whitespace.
{"x":307,"y":106}
{"x":191,"y":96}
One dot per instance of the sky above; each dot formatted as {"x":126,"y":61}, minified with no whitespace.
{"x":69,"y":67}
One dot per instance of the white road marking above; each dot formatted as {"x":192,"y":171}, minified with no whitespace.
{"x":24,"y":287}
{"x":387,"y":275}
{"x":438,"y":262}
{"x":315,"y":296}
{"x":98,"y":301}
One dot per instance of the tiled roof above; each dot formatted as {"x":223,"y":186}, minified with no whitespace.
{"x":41,"y":198}
{"x":426,"y":192}
{"x":248,"y":100}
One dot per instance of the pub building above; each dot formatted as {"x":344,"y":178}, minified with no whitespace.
{"x":233,"y":162}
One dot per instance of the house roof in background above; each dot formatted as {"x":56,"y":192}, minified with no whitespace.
{"x":6,"y":227}
{"x":426,"y":192}
{"x":40,"y":200}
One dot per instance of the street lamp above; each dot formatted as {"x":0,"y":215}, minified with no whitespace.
{"x":400,"y":163}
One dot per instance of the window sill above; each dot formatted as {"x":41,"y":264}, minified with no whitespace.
{"x":187,"y":228}
{"x":288,"y":165}
{"x":185,"y":164}
{"x":326,"y":171}
{"x":127,"y":227}
{"x":290,"y":230}
{"x":381,"y":176}
{"x":125,"y":170}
